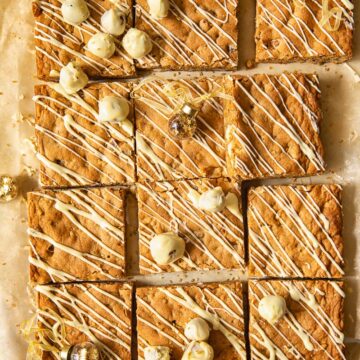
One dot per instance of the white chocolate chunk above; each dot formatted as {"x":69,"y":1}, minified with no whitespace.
{"x":102,"y":45}
{"x":113,"y":22}
{"x":72,"y":78}
{"x":113,"y":108}
{"x":166,"y":248}
{"x":197,"y":329}
{"x":159,"y":8}
{"x":212,"y":200}
{"x":198,"y":350}
{"x":75,"y":11}
{"x":272,"y":308}
{"x":157,"y":353}
{"x":137,"y":43}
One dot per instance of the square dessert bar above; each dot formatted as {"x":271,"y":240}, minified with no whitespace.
{"x":57,"y":42}
{"x":73,"y":147}
{"x":214,"y":240}
{"x":162,"y":157}
{"x":272,"y":127}
{"x":76,"y":235}
{"x":295,"y":231}
{"x":162,"y":314}
{"x":312,"y":327}
{"x":74,"y":313}
{"x":304,"y":30}
{"x":196,"y":34}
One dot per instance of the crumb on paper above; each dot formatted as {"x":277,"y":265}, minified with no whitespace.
{"x":30,"y":119}
{"x":353,"y":136}
{"x":17,"y":117}
{"x":29,"y":170}
{"x":250,"y":64}
{"x":32,"y":142}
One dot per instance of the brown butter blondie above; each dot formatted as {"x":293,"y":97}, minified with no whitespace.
{"x":312,"y":327}
{"x":74,"y":313}
{"x":57,"y":42}
{"x":214,"y":240}
{"x":162,"y":157}
{"x":80,"y":150}
{"x":295,"y":231}
{"x":196,"y":34}
{"x":162,"y":314}
{"x":303,"y":30}
{"x":76,"y":235}
{"x":272,"y":127}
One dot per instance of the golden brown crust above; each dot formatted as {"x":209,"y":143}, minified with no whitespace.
{"x":71,"y":235}
{"x":195,"y":35}
{"x":88,"y":152}
{"x":159,"y":314}
{"x":57,"y":43}
{"x":272,"y":128}
{"x":292,"y":32}
{"x":295,"y":231}
{"x":322,"y":321}
{"x":213,"y":240}
{"x":102,"y":310}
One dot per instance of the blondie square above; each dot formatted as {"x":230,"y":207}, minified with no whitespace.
{"x":74,"y":313}
{"x":304,"y":30}
{"x":295,"y":231}
{"x":272,"y":127}
{"x":73,"y":147}
{"x":76,"y":235}
{"x":196,"y":34}
{"x":162,"y":314}
{"x":214,"y":240}
{"x":162,"y":157}
{"x":312,"y":327}
{"x":57,"y":42}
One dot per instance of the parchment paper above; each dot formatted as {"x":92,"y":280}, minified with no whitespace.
{"x":340,"y":134}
